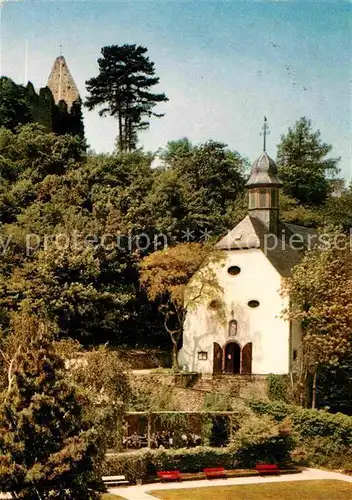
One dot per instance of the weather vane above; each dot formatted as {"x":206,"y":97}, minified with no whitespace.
{"x":265,"y":132}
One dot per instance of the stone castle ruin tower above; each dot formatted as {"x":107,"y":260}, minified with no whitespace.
{"x":61,"y":83}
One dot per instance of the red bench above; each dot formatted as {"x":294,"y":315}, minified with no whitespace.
{"x":169,"y":475}
{"x":213,"y":472}
{"x":265,"y":469}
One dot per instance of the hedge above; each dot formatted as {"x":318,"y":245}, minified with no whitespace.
{"x":323,"y":439}
{"x":143,"y":463}
{"x":307,"y":422}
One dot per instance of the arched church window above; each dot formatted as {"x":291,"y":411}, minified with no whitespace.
{"x":233,"y":270}
{"x":232,"y":328}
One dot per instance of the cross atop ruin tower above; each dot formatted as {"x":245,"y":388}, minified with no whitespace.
{"x":61,"y":83}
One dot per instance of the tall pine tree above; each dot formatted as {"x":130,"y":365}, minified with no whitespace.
{"x":122,"y":90}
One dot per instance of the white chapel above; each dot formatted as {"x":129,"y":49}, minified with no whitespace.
{"x":254,"y":337}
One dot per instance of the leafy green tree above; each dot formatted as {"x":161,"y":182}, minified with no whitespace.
{"x":334,"y":387}
{"x":338,"y":209}
{"x":303,"y":165}
{"x":293,"y":212}
{"x":14,"y":109}
{"x":91,"y":289}
{"x":77,"y":287}
{"x":123,"y":90}
{"x":27,"y":158}
{"x":210,"y":179}
{"x":48,"y":448}
{"x":168,"y":276}
{"x":320,"y":290}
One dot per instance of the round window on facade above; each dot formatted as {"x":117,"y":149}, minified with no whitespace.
{"x":234,"y":270}
{"x":253,"y":303}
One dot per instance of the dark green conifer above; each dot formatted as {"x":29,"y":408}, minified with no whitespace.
{"x":48,"y":449}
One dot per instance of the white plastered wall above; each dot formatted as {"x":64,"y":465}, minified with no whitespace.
{"x":264,"y":326}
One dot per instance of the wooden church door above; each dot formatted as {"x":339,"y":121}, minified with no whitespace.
{"x":217,"y":362}
{"x":246,"y":368}
{"x":232,"y":357}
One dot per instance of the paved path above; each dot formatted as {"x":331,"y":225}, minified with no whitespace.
{"x":140,"y":492}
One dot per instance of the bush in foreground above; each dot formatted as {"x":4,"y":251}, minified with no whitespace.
{"x":144,"y":463}
{"x":323,"y":439}
{"x":261,"y":439}
{"x":47,"y":448}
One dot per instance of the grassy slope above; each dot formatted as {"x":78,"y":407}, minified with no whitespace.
{"x":302,"y":490}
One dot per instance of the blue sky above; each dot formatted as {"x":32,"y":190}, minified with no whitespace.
{"x":223,"y":65}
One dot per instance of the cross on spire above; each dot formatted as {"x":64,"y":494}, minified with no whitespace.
{"x":265,"y":132}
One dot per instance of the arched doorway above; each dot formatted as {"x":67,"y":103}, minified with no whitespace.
{"x":217,"y":358}
{"x":232,"y":361}
{"x":247,"y":359}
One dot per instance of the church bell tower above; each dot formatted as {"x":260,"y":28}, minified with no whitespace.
{"x":263,"y":189}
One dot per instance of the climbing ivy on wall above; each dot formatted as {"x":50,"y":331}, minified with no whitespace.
{"x":277,"y":387}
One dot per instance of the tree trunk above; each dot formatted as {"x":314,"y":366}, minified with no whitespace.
{"x":174,"y":355}
{"x":120,"y":133}
{"x":314,"y":389}
{"x":126,"y":134}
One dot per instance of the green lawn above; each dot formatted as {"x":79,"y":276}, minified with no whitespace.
{"x":298,"y":490}
{"x":108,"y":496}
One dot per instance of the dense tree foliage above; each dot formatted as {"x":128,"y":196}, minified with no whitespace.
{"x":334,"y":387}
{"x":20,"y":105}
{"x":303,"y":163}
{"x":88,"y":287}
{"x":321,"y":290}
{"x":123,"y":90}
{"x":338,"y":209}
{"x":75,"y":226}
{"x":179,"y":279}
{"x":200,"y":185}
{"x":48,"y":448}
{"x":14,"y":108}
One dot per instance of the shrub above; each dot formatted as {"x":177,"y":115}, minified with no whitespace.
{"x":192,"y":460}
{"x":324,"y":439}
{"x":249,"y":450}
{"x":277,"y":388}
{"x":133,"y":465}
{"x":309,"y":423}
{"x":324,"y":452}
{"x":261,"y":439}
{"x":217,"y":402}
{"x":141,"y":464}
